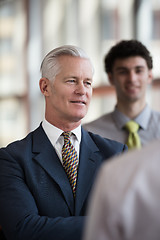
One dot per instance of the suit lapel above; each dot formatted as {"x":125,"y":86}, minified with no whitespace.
{"x":46,"y":156}
{"x":89,"y":161}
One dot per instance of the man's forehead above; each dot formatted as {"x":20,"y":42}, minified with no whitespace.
{"x":130,"y":62}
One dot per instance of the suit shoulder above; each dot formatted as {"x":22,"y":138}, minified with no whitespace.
{"x":103,"y":119}
{"x":106,"y":143}
{"x":19,"y":147}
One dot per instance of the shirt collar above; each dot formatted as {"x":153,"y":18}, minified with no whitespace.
{"x":54,"y":133}
{"x":142,"y":119}
{"x":119,"y":118}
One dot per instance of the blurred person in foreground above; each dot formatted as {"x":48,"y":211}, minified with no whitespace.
{"x":129,"y":65}
{"x":46,"y":178}
{"x":125,"y":199}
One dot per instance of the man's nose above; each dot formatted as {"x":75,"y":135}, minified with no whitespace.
{"x":80,"y":89}
{"x":132,"y":76}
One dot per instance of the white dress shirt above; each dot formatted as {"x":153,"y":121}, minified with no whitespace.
{"x":55,"y":136}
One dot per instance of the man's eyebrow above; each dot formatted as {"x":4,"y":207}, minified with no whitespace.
{"x":140,"y":66}
{"x":74,"y":77}
{"x":121,"y":68}
{"x":127,"y":68}
{"x":70,"y":76}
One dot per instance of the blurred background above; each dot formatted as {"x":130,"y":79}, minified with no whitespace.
{"x":29,"y":29}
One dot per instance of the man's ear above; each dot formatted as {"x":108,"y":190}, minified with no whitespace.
{"x":150,"y":76}
{"x":44,"y":86}
{"x":110,"y":78}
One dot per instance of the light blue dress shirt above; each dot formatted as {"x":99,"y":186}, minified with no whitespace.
{"x":111,"y":125}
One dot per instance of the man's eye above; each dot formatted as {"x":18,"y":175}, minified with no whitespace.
{"x":122,"y":72}
{"x":139,"y":71}
{"x":71,"y":80}
{"x":88,"y":83}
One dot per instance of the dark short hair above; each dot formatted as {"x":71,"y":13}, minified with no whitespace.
{"x":125,"y":49}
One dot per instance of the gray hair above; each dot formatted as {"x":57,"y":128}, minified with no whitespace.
{"x":50,"y":66}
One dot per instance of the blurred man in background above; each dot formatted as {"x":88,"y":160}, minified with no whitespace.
{"x":129,"y":68}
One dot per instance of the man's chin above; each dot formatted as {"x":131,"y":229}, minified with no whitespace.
{"x":78,"y":118}
{"x":132,"y":98}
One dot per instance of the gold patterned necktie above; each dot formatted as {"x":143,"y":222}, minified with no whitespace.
{"x":70,"y":160}
{"x":133,"y":138}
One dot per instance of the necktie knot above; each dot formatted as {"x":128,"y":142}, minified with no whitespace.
{"x":67,"y":136}
{"x":133,"y":138}
{"x":132,"y":126}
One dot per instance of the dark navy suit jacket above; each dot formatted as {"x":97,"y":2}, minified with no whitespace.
{"x":36,"y":200}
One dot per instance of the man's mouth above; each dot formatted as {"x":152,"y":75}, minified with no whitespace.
{"x":131,"y":87}
{"x":79,"y":102}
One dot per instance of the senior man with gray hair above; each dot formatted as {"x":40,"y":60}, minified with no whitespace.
{"x":46,"y":178}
